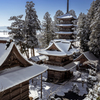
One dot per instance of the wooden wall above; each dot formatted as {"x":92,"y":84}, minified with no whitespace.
{"x":58,"y":76}
{"x":58,"y":61}
{"x":18,"y":92}
{"x":65,"y":36}
{"x":53,"y":48}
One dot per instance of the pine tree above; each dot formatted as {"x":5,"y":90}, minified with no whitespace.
{"x":82,"y":32}
{"x":16,"y":30}
{"x":56,"y":21}
{"x":32,"y":24}
{"x":94,"y":43}
{"x":72,"y":12}
{"x":47,"y":29}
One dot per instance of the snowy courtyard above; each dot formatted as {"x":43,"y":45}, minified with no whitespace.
{"x":51,"y":89}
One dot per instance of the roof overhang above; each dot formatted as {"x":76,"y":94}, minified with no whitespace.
{"x":18,"y":76}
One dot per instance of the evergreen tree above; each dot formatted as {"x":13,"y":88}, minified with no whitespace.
{"x":94,"y":43}
{"x":82,"y":32}
{"x":72,"y":12}
{"x":47,"y":29}
{"x":56,"y":21}
{"x":16,"y":30}
{"x":32,"y":24}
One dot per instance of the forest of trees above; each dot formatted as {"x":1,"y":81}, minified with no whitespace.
{"x":89,"y":29}
{"x":24,"y":32}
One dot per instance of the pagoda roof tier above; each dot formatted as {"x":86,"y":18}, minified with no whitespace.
{"x":63,"y":48}
{"x":66,"y":25}
{"x":67,"y":16}
{"x":68,"y":33}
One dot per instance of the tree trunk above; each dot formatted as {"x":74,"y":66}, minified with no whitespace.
{"x":33,"y":52}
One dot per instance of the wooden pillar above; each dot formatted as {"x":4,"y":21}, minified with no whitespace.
{"x":41,"y":86}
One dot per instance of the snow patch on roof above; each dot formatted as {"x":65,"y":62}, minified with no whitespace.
{"x":66,"y":16}
{"x":4,"y":53}
{"x":64,"y":25}
{"x":62,"y":45}
{"x":67,"y":67}
{"x":11,"y":79}
{"x":64,"y":32}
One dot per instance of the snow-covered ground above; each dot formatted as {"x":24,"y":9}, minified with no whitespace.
{"x":4,"y":34}
{"x":50,"y":89}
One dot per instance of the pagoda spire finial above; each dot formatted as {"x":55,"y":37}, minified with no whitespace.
{"x":67,"y":6}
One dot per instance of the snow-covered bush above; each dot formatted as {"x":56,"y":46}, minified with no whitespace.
{"x":94,"y":93}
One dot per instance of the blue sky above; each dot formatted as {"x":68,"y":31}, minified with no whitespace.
{"x":10,"y":8}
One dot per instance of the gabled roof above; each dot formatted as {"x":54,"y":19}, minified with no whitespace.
{"x":89,"y":56}
{"x":66,"y":16}
{"x":4,"y":54}
{"x":65,"y":48}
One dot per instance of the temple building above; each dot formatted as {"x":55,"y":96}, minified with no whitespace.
{"x":60,"y":51}
{"x":15,"y":72}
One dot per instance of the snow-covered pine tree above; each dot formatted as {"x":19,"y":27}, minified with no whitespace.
{"x":32,"y":24}
{"x":16,"y":30}
{"x":89,"y":17}
{"x":47,"y":29}
{"x":94,"y":43}
{"x":56,"y":21}
{"x":72,"y":12}
{"x":82,"y":32}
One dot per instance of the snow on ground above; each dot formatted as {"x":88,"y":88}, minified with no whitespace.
{"x":4,"y":34}
{"x":50,"y":89}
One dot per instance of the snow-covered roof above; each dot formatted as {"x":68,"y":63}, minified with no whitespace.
{"x":64,"y":25}
{"x":5,"y":53}
{"x":64,"y":32}
{"x":88,"y":55}
{"x":67,"y":67}
{"x":71,"y":65}
{"x":16,"y":77}
{"x":5,"y":38}
{"x":66,"y":16}
{"x":63,"y":47}
{"x":38,"y":58}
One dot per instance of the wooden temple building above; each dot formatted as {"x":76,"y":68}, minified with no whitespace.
{"x":87,"y":60}
{"x":60,"y":51}
{"x":15,"y":73}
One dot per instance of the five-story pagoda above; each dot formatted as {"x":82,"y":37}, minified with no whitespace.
{"x":66,"y":25}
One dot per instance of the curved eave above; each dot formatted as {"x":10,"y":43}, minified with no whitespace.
{"x":16,"y":77}
{"x":13,"y":48}
{"x":66,"y":33}
{"x":67,"y":18}
{"x":66,"y":25}
{"x":53,"y":53}
{"x":57,"y":53}
{"x":6,"y":54}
